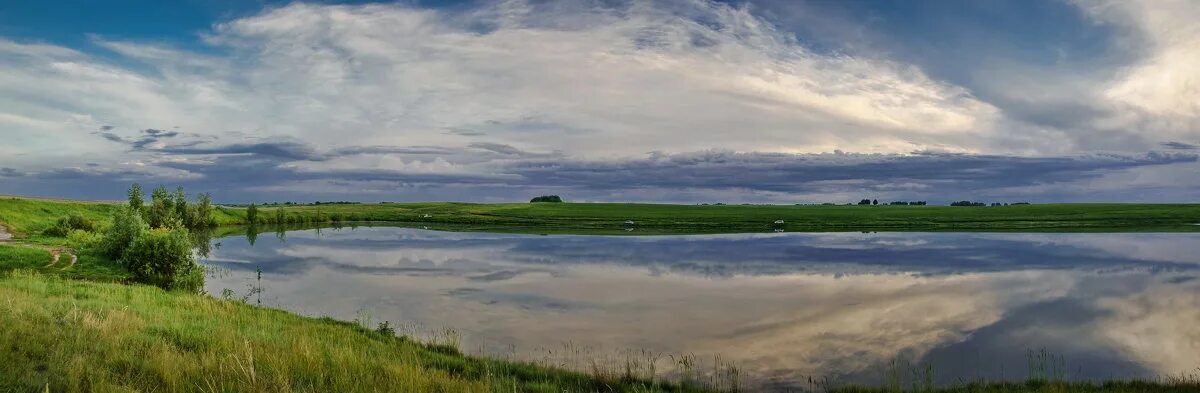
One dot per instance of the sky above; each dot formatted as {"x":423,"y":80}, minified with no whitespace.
{"x":689,"y":101}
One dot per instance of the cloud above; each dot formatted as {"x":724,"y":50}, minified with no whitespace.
{"x":1180,"y":146}
{"x":517,"y":97}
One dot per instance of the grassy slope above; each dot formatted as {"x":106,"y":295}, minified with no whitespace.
{"x":73,"y":335}
{"x":26,"y":217}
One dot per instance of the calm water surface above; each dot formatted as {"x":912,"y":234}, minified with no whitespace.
{"x":782,"y":306}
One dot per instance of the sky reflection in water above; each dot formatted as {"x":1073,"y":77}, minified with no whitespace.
{"x":782,"y":306}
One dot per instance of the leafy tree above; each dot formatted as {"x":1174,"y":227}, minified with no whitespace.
{"x":126,"y":227}
{"x":163,"y":258}
{"x":864,"y":202}
{"x":179,"y":201}
{"x":162,"y":210}
{"x":202,"y":212}
{"x":546,"y":198}
{"x":136,"y":199}
{"x":875,"y":202}
{"x":252,"y":214}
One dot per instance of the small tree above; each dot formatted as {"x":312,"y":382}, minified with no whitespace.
{"x":136,"y":199}
{"x":875,"y":202}
{"x":864,"y":202}
{"x":179,"y":201}
{"x":162,"y":209}
{"x":252,"y":214}
{"x":546,"y":198}
{"x":202,"y":212}
{"x":126,"y":227}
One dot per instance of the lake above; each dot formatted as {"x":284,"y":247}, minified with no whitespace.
{"x":782,"y":307}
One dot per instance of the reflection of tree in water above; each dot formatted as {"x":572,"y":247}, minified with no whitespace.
{"x":202,"y":241}
{"x":252,"y":234}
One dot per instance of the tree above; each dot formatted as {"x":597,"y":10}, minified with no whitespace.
{"x":875,"y":202}
{"x":546,"y":198}
{"x":136,"y":199}
{"x":179,"y":201}
{"x":202,"y":212}
{"x":162,"y":209}
{"x":864,"y":202}
{"x":252,"y":214}
{"x":127,"y":226}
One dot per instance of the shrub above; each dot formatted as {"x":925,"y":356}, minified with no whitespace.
{"x":80,"y":239}
{"x":126,"y":227}
{"x":163,"y":258}
{"x":65,"y":225}
{"x":546,"y":198}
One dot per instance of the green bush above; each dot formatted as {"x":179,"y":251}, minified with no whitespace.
{"x":80,"y":239}
{"x":163,"y":257}
{"x":126,"y":227}
{"x":65,"y":225}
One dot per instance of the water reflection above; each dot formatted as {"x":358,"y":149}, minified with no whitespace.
{"x":782,"y":305}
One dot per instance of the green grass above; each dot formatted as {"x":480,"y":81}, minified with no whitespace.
{"x":70,"y":335}
{"x":27,"y":218}
{"x":90,"y":266}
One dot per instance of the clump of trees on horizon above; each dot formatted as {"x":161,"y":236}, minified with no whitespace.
{"x":546,"y":198}
{"x":875,"y":202}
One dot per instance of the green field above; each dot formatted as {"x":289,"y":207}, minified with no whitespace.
{"x":30,"y":216}
{"x":742,"y":218}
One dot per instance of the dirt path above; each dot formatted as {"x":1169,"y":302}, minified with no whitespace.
{"x":74,"y":258}
{"x":53,"y":260}
{"x":4,"y":235}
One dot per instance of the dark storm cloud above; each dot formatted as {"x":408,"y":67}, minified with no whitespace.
{"x":493,"y":171}
{"x":111,"y":136}
{"x":404,"y":150}
{"x":10,"y":172}
{"x":85,"y":175}
{"x":823,"y":172}
{"x":288,"y":150}
{"x":145,"y":138}
{"x":1180,"y":146}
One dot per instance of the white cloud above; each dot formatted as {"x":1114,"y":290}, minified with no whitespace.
{"x":589,"y":81}
{"x":1159,"y":93}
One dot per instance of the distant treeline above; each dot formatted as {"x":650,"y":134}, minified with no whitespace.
{"x":317,"y":203}
{"x":969,"y":203}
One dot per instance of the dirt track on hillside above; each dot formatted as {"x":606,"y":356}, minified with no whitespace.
{"x":4,"y":235}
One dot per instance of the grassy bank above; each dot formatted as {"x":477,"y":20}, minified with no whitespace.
{"x":70,"y":335}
